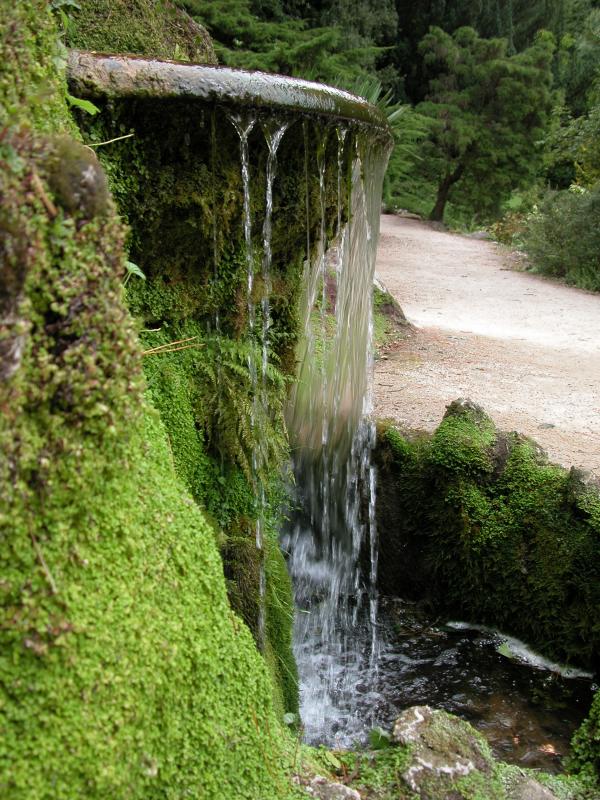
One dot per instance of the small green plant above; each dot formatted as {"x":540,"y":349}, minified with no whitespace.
{"x":84,"y":105}
{"x":132,"y":269}
{"x":243,"y":431}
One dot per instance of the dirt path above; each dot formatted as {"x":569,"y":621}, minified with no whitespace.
{"x":526,"y":349}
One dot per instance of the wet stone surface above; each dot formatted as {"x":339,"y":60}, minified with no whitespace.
{"x":527,"y":714}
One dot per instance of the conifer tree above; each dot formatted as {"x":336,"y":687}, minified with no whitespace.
{"x":487,"y":111}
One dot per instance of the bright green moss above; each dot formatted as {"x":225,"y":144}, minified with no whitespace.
{"x":586,"y":743}
{"x":177,"y":385}
{"x":279,"y":621}
{"x":487,"y":529}
{"x":146,"y":27}
{"x":123,"y":670}
{"x":462,"y":442}
{"x":32,"y":62}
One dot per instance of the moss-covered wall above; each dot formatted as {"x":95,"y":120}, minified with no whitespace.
{"x":484,"y":527}
{"x":124,"y":671}
{"x":178,"y":182}
{"x":481,"y":526}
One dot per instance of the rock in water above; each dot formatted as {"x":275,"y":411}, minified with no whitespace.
{"x":445,"y":750}
{"x":451,"y":760}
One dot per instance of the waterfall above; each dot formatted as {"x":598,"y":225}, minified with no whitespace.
{"x":331,"y":537}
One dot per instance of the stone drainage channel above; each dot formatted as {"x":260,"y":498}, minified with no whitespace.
{"x":526,"y":707}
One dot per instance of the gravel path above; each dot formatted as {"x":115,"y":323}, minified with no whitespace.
{"x":525,"y":348}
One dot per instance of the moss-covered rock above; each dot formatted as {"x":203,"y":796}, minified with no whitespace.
{"x":123,"y":670}
{"x":145,"y":27}
{"x":433,"y":755}
{"x":448,"y":758}
{"x":478,"y":523}
{"x":481,"y":524}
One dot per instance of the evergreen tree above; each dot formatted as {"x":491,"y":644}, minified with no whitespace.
{"x":487,"y":111}
{"x":263,"y":35}
{"x":518,"y":21}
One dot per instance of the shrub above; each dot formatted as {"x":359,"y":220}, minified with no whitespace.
{"x":563,"y":236}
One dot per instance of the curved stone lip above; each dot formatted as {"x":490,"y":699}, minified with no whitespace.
{"x":98,"y":75}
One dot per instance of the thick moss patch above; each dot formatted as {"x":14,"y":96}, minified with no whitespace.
{"x":124,"y":671}
{"x":144,"y":27}
{"x":484,"y":527}
{"x":204,"y":394}
{"x":481,"y":526}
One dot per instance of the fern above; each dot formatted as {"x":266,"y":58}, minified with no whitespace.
{"x":243,"y":417}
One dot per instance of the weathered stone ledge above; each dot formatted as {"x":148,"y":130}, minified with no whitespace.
{"x":116,"y":76}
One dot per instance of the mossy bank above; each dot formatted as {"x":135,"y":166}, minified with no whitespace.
{"x":479,"y":525}
{"x":124,"y":671}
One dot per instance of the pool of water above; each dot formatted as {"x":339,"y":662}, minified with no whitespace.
{"x":525,"y":708}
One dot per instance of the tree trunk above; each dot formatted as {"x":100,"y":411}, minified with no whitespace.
{"x":437,"y":213}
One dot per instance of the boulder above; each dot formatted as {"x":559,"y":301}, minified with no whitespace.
{"x":448,"y":756}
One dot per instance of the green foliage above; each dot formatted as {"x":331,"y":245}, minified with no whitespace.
{"x":84,"y":105}
{"x":487,"y":111}
{"x":403,"y":184}
{"x":285,"y":44}
{"x":374,"y":773}
{"x":560,"y":233}
{"x":409,"y":129}
{"x":517,"y":21}
{"x":132,"y":269}
{"x":578,"y":69}
{"x":562,"y":237}
{"x":147,"y":27}
{"x":218,"y":371}
{"x":382,"y":771}
{"x":585,"y":756}
{"x":461,"y":445}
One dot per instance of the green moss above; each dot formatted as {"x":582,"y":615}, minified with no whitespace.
{"x":488,"y":530}
{"x":181,"y":192}
{"x":201,"y":394}
{"x":378,"y":774}
{"x":123,"y":670}
{"x":585,"y":755}
{"x":145,"y":27}
{"x":563,"y":787}
{"x":462,"y":443}
{"x":32,"y":64}
{"x":279,"y":621}
{"x":389,"y":323}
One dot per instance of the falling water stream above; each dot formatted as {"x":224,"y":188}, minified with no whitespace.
{"x":273,"y":130}
{"x":331,"y":538}
{"x":332,"y":528}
